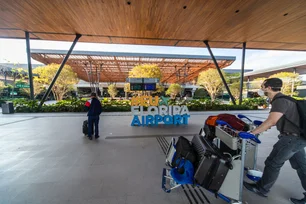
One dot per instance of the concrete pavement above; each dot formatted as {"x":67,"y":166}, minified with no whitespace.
{"x":44,"y":158}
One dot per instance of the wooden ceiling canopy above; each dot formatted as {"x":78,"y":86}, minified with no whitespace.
{"x":114,"y":67}
{"x":263,"y":24}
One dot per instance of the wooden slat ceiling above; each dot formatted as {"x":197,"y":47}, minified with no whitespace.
{"x":115,"y":68}
{"x":263,"y":24}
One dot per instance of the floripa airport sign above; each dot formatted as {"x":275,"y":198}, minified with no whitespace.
{"x":158,"y":111}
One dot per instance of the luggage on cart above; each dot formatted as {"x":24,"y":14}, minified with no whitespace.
{"x":235,"y":122}
{"x":184,"y":150}
{"x":213,"y":166}
{"x":211,"y":173}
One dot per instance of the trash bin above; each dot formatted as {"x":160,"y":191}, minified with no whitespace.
{"x":7,"y":108}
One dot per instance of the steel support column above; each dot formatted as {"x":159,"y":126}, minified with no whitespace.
{"x":5,"y":78}
{"x":242,"y":72}
{"x":77,"y":37}
{"x":293,"y":82}
{"x":248,"y":86}
{"x":219,"y":71}
{"x":27,"y":36}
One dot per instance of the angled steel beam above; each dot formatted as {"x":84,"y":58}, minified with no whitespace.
{"x":77,"y":37}
{"x":242,"y":72}
{"x":219,"y":71}
{"x":27,"y":36}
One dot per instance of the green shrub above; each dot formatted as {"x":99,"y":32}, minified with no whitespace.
{"x":253,"y":102}
{"x":201,"y":94}
{"x":77,"y":105}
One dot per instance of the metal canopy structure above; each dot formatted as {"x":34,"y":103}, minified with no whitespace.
{"x":297,"y":67}
{"x":114,"y":66}
{"x":262,"y":24}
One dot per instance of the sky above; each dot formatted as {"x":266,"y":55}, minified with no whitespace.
{"x":14,"y":51}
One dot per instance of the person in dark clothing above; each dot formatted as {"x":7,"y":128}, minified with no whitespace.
{"x":94,"y":108}
{"x":290,"y":146}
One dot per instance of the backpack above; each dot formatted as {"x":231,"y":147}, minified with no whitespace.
{"x":184,"y":151}
{"x":301,"y":106}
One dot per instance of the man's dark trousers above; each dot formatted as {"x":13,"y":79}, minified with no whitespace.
{"x":93,"y":120}
{"x":290,"y":148}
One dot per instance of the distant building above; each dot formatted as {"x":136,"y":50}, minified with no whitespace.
{"x":296,"y":67}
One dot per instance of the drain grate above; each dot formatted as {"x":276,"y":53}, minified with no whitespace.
{"x":194,"y":194}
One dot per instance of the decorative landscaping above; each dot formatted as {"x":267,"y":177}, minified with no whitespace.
{"x":77,"y":105}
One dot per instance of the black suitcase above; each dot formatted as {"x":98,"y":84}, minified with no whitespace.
{"x":213,"y":166}
{"x":85,"y":128}
{"x":203,"y":170}
{"x":211,"y":173}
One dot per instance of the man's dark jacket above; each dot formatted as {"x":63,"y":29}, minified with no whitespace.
{"x":94,"y":107}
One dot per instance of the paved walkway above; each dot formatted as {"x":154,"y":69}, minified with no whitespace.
{"x":44,"y":158}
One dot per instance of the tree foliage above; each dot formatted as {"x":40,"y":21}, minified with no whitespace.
{"x":37,"y":88}
{"x":173,"y":90}
{"x":200,"y":93}
{"x":2,"y":86}
{"x":159,"y":89}
{"x":235,"y":89}
{"x":231,"y":78}
{"x":127,"y":87}
{"x":17,"y":73}
{"x":64,"y":82}
{"x":211,"y":81}
{"x":290,"y":82}
{"x":256,"y":83}
{"x":112,"y":90}
{"x":146,"y":71}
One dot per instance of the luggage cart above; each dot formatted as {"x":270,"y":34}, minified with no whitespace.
{"x":247,"y":146}
{"x":252,"y":149}
{"x":242,"y":141}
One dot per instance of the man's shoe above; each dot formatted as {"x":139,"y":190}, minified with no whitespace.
{"x":97,"y":136}
{"x":296,"y":201}
{"x":90,"y":138}
{"x":254,"y":189}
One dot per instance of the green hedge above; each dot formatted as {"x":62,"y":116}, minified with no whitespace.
{"x":28,"y":106}
{"x":253,"y":103}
